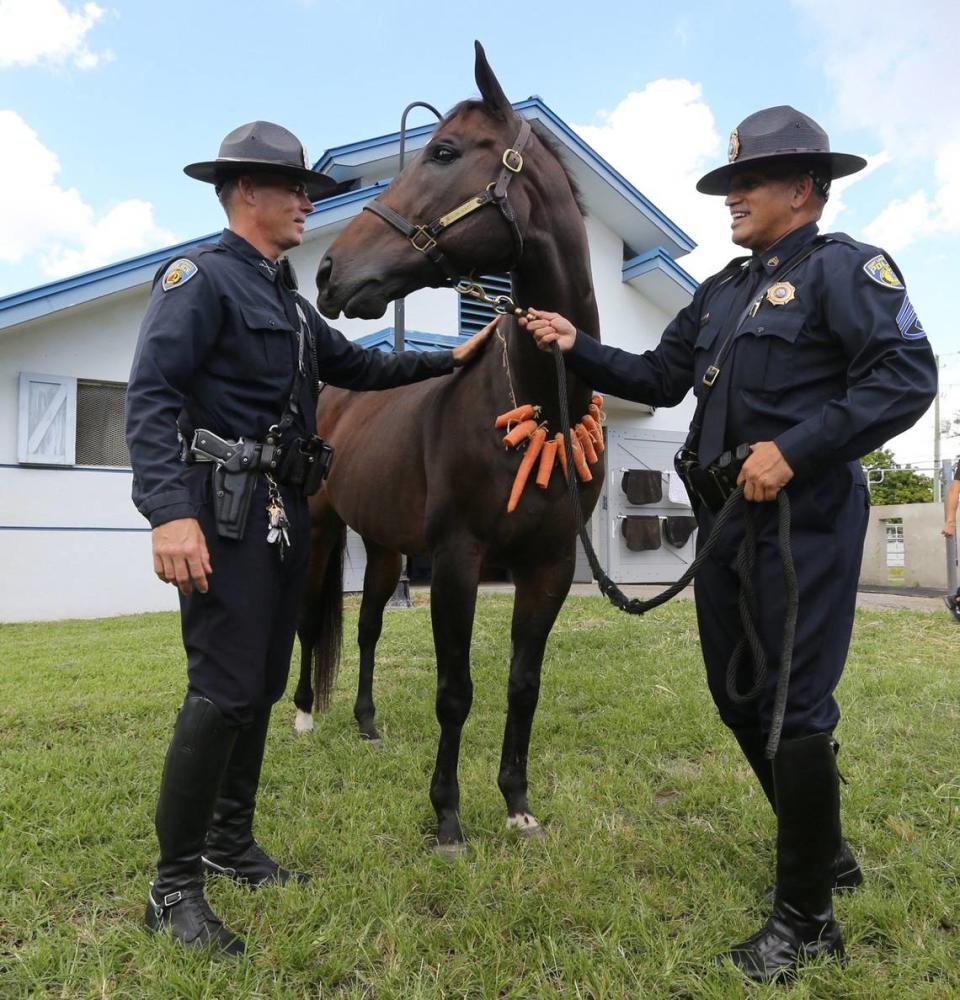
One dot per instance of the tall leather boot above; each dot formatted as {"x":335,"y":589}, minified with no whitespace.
{"x":846,"y":869}
{"x":196,"y":760}
{"x":801,"y":926}
{"x":231,"y":849}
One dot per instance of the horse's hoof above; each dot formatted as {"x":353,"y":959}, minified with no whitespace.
{"x":303,"y":722}
{"x":371,"y":735}
{"x":375,"y":742}
{"x":450,"y":852}
{"x":526,"y":826}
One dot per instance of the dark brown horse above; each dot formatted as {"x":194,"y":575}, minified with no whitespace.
{"x":420,"y":469}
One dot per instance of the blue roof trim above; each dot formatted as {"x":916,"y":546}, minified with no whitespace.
{"x":155,"y":258}
{"x":414,"y":340}
{"x":659,"y":259}
{"x":535,"y":104}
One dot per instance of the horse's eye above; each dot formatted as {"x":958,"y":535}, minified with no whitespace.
{"x":443,"y":154}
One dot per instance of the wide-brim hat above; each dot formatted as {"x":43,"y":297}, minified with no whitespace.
{"x":262,"y":147}
{"x":774,"y":133}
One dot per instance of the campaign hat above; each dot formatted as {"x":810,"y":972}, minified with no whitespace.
{"x":772,"y":134}
{"x":262,"y":147}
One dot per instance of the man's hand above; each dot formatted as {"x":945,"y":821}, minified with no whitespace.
{"x":549,"y":328}
{"x":764,"y":473}
{"x":465,"y":353}
{"x":947,"y":530}
{"x":180,"y":554}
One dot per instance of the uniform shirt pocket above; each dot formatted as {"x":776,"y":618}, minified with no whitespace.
{"x":272,"y":334}
{"x":767,"y":352}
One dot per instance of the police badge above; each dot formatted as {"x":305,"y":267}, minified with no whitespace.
{"x":733,"y":150}
{"x":780,"y":293}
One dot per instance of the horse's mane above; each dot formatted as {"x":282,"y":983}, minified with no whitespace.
{"x":553,"y":147}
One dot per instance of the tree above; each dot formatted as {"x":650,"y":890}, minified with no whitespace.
{"x":893,"y":483}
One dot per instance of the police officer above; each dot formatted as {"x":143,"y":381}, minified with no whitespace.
{"x":220,"y":426}
{"x":809,"y":352}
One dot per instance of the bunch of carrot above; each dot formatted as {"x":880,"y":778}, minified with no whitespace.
{"x":586,"y":442}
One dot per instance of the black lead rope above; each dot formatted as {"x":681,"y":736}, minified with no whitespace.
{"x":746,"y":563}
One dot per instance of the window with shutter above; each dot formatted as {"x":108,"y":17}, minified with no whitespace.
{"x":46,"y":432}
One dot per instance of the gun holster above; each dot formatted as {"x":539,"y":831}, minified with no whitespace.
{"x":305,"y":463}
{"x":232,"y":492}
{"x":713,"y":485}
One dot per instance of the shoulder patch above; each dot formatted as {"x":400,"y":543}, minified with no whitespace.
{"x":178,"y":273}
{"x":907,"y":322}
{"x":879,"y":269}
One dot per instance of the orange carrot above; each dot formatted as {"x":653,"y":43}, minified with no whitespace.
{"x":526,"y":464}
{"x":562,"y":455}
{"x":525,"y":412}
{"x":597,"y":400}
{"x":595,"y":412}
{"x":593,"y":428}
{"x":547,"y":457}
{"x":586,"y":443}
{"x":520,"y":433}
{"x":579,"y":460}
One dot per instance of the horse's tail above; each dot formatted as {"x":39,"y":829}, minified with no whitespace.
{"x":321,"y":617}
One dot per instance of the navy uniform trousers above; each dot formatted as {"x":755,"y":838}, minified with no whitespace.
{"x":829,"y":521}
{"x":239,"y":635}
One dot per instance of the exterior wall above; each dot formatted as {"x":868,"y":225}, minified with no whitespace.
{"x":924,"y":552}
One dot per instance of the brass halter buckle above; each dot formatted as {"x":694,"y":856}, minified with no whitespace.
{"x":428,"y":241}
{"x":512,"y":160}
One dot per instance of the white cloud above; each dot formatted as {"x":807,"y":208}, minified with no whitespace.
{"x":33,"y":31}
{"x":40,"y":218}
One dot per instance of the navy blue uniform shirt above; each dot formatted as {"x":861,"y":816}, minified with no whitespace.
{"x":218,"y":349}
{"x":828,"y":376}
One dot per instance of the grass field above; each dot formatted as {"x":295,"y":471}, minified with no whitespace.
{"x":659,"y":841}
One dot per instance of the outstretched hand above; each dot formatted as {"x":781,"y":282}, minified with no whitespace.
{"x":764,"y":473}
{"x":549,"y":328}
{"x":465,"y":353}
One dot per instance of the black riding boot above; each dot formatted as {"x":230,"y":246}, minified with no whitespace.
{"x":801,"y":926}
{"x":231,"y":849}
{"x":846,"y":870}
{"x":196,"y":760}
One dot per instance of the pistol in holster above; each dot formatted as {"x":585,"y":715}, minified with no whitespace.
{"x":713,"y":485}
{"x":234,"y":477}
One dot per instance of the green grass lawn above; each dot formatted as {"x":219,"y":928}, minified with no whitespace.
{"x":659,"y":841}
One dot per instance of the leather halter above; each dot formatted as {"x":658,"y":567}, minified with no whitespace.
{"x":423,"y":239}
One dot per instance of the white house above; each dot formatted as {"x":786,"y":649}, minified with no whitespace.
{"x":71,"y":542}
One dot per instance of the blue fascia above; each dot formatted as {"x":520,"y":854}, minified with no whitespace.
{"x":534,"y":107}
{"x":659,"y":259}
{"x":414,"y":340}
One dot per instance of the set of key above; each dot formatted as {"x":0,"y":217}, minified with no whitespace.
{"x":277,"y":520}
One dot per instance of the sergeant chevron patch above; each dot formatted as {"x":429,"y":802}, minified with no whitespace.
{"x":178,"y":273}
{"x":910,"y":327}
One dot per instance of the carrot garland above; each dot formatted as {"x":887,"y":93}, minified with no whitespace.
{"x":526,"y":464}
{"x":526,"y":412}
{"x":523,"y":431}
{"x":548,"y":456}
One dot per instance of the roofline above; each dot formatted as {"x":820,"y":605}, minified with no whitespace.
{"x":659,"y":259}
{"x":534,"y":107}
{"x":385,"y":336}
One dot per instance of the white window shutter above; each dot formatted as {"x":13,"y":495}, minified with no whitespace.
{"x":47,"y":428}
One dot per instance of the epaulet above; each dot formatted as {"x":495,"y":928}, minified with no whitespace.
{"x":843,"y":238}
{"x":179,"y":270}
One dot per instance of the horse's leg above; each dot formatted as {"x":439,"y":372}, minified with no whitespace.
{"x":540,"y":593}
{"x":379,"y":583}
{"x":321,"y":611}
{"x":453,"y":598}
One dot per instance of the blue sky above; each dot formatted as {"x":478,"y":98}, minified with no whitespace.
{"x":101,"y":105}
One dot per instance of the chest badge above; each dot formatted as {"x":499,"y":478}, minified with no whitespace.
{"x":780,"y":293}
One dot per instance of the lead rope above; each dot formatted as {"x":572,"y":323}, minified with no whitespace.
{"x":746,"y":563}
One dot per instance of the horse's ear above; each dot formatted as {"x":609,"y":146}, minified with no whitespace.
{"x":489,"y":85}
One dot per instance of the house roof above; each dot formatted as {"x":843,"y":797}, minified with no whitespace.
{"x":413,"y":340}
